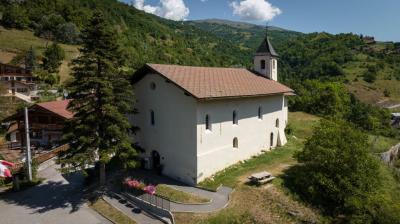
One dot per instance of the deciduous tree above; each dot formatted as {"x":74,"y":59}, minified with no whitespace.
{"x":339,"y":174}
{"x":53,"y":57}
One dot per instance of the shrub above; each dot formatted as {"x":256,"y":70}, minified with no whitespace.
{"x":370,"y":76}
{"x":289,"y":129}
{"x":386,"y":93}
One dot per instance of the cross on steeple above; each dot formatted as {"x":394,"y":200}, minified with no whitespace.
{"x":266,"y":46}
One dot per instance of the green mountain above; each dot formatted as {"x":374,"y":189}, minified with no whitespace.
{"x":245,"y":35}
{"x":147,"y":38}
{"x":369,"y":69}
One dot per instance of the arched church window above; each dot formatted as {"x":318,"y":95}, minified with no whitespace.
{"x":234,"y":117}
{"x":277,"y":123}
{"x":235,"y":143}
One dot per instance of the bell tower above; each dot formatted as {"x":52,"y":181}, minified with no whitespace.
{"x":266,"y":59}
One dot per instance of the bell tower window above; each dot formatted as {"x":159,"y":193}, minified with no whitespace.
{"x":262,"y":64}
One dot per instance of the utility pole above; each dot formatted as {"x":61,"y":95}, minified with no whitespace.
{"x":28,"y":146}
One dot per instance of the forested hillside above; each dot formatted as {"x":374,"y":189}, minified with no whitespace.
{"x":322,"y":68}
{"x":369,"y":69}
{"x":246,"y":36}
{"x":146,"y":38}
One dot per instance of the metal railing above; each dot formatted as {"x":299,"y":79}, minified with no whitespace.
{"x":154,"y":200}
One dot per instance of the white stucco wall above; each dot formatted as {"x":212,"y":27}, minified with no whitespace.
{"x":270,"y":71}
{"x":215,"y":148}
{"x":174,"y":134}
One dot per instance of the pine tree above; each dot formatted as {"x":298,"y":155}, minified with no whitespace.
{"x":30,"y":60}
{"x":102,"y":96}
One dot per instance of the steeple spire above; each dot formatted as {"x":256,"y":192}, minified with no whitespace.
{"x":266,"y":46}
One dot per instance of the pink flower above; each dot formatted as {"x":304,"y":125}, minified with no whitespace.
{"x":150,"y":189}
{"x":134,"y":184}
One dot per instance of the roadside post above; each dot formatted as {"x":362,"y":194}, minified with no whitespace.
{"x":28,"y":146}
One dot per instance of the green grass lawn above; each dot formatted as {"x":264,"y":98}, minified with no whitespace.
{"x":108,"y":211}
{"x":12,"y":40}
{"x":231,"y":176}
{"x":178,"y":196}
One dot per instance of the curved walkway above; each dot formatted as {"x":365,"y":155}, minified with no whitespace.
{"x":219,"y":199}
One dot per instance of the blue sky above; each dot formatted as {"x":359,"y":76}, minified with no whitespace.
{"x":380,"y":18}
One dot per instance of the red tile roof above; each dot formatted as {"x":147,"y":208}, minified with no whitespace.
{"x":58,"y":107}
{"x":209,"y":82}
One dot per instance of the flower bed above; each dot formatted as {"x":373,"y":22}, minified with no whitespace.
{"x":139,"y":187}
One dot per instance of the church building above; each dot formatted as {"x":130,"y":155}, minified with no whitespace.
{"x":195,"y":121}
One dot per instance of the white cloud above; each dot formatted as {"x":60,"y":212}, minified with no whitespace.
{"x":169,"y":9}
{"x":253,"y":10}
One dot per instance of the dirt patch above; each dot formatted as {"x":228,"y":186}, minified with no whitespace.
{"x":6,"y":56}
{"x":365,"y":93}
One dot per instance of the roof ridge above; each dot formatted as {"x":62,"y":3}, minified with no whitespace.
{"x":192,"y":66}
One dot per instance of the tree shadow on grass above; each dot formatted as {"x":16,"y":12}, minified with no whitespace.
{"x":51,"y":195}
{"x":296,"y":179}
{"x":290,"y":179}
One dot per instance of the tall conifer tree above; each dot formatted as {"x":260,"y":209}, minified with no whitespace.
{"x":102,"y":96}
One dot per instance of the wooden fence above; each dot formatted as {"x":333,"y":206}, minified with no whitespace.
{"x":43,"y":157}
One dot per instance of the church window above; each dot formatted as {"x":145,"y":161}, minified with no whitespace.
{"x":152,"y":118}
{"x":260,"y":113}
{"x":262,"y":64}
{"x":235,"y":143}
{"x":234,"y":117}
{"x":277,"y":123}
{"x":152,"y":86}
{"x":208,"y":124}
{"x":271,"y":139}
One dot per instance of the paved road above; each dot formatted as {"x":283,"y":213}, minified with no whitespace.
{"x":56,"y":201}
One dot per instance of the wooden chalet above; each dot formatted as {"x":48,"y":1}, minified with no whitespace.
{"x":17,"y":80}
{"x":46,"y":121}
